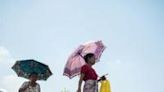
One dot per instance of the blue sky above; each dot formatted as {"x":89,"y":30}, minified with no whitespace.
{"x":49,"y":30}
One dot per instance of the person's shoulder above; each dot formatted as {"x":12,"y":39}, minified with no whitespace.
{"x":84,"y":66}
{"x":26,"y":82}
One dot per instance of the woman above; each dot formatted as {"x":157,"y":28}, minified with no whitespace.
{"x":30,"y":86}
{"x":88,"y":75}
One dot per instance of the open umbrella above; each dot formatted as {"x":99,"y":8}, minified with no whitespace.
{"x":76,"y":61}
{"x":24,"y":68}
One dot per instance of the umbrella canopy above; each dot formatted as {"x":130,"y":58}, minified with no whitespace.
{"x":76,"y":61}
{"x":24,"y":68}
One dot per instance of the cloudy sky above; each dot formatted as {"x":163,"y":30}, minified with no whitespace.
{"x":49,"y":30}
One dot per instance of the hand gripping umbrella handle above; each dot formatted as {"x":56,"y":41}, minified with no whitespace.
{"x":103,"y":77}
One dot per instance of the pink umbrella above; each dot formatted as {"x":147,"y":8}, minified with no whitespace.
{"x":76,"y":61}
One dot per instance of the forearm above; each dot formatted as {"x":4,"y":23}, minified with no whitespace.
{"x":80,"y":82}
{"x":39,"y":89}
{"x":79,"y":85}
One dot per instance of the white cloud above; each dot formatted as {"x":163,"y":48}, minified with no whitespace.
{"x":3,"y":90}
{"x":4,"y":54}
{"x":11,"y":83}
{"x":5,"y":57}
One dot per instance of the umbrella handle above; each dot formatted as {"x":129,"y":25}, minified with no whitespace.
{"x":105,"y":74}
{"x":80,"y":54}
{"x":102,"y":77}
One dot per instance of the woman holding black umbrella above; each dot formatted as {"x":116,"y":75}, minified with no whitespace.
{"x":31,"y":85}
{"x":33,"y":71}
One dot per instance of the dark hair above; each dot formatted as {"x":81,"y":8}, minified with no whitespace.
{"x":87,"y":56}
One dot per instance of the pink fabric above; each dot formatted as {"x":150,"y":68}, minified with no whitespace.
{"x":93,"y":47}
{"x":76,"y":61}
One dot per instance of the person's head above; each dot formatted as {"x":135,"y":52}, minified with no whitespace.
{"x":33,"y":77}
{"x":90,"y":58}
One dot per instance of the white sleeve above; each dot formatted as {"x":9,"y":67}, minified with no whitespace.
{"x":24,"y":84}
{"x":38,"y":88}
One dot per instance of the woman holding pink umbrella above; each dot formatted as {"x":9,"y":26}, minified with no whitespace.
{"x":80,"y":62}
{"x":88,"y":74}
